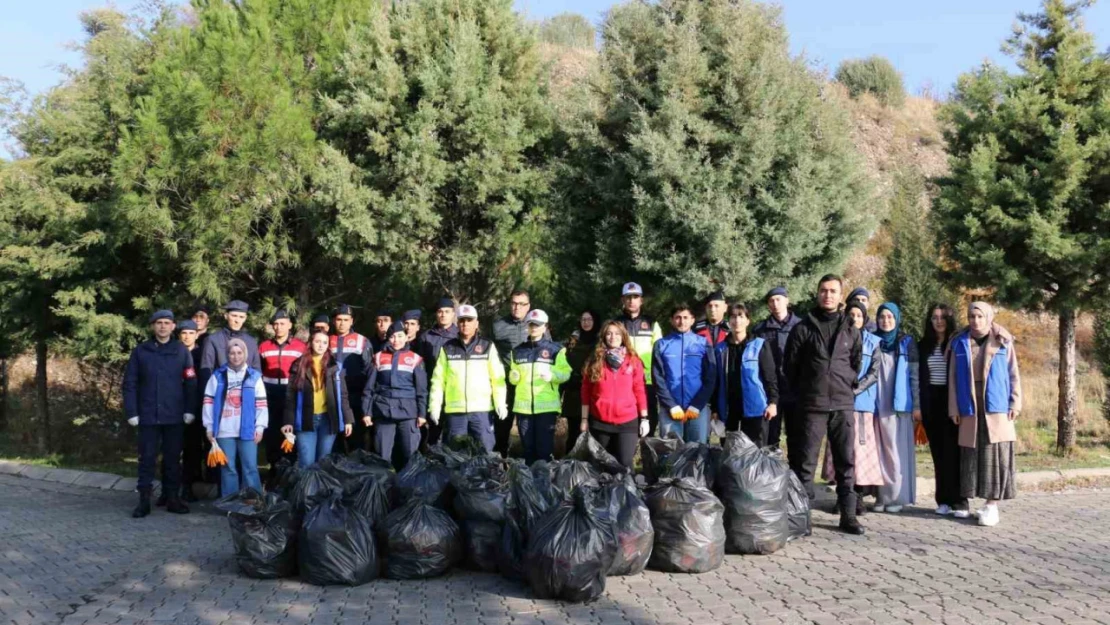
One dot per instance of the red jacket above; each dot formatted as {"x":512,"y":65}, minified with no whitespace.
{"x":277,"y":359}
{"x":618,"y":397}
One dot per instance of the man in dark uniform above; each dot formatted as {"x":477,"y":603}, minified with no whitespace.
{"x":644,"y":332}
{"x":353,"y":352}
{"x":193,"y":452}
{"x":410,"y":319}
{"x":428,"y":345}
{"x":158,"y":389}
{"x":321,"y":323}
{"x":714,"y":327}
{"x":775,"y":329}
{"x":215,"y":345}
{"x":278,"y":355}
{"x":382,"y":321}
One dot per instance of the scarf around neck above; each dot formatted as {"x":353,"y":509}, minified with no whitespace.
{"x":615,"y":356}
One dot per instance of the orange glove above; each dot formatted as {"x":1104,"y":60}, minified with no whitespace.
{"x":216,"y":457}
{"x":692,"y":413}
{"x":287,"y":445}
{"x":677,"y":414}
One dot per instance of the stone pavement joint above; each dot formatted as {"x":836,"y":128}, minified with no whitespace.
{"x":72,"y":555}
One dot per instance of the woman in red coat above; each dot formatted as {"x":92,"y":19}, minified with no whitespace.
{"x":614,"y":404}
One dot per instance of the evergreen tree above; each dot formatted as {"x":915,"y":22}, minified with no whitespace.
{"x":716,"y":160}
{"x":1024,"y":210}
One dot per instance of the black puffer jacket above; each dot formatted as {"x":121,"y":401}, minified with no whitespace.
{"x":824,"y":379}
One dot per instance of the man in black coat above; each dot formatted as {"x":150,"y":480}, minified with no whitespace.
{"x":823,"y":356}
{"x":775,"y":329}
{"x":159,"y":387}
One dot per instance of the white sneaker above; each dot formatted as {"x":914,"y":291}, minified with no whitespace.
{"x":944,"y":509}
{"x":989,"y":516}
{"x":962,"y":514}
{"x":894,"y":509}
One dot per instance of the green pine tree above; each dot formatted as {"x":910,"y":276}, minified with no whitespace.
{"x":1024,"y":211}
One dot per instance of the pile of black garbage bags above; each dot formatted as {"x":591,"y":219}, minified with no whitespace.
{"x":562,"y":526}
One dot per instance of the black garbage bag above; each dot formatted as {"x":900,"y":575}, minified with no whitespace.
{"x":753,"y":487}
{"x":314,"y":485}
{"x":653,"y":455}
{"x":524,"y":506}
{"x":690,"y":460}
{"x":453,"y":454}
{"x":570,"y":550}
{"x":481,"y":545}
{"x":262,"y":532}
{"x":427,"y":480}
{"x":374,"y":496}
{"x":468,"y":446}
{"x":631,"y":523}
{"x":798,"y":515}
{"x":689,"y":526}
{"x":481,"y":488}
{"x":542,"y":472}
{"x":289,"y":473}
{"x":348,"y":471}
{"x":419,"y":540}
{"x":336,"y":545}
{"x":588,"y":450}
{"x":372,"y":460}
{"x":566,"y":475}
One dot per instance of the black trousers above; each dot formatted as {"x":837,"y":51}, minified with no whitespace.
{"x":503,"y":428}
{"x":944,"y":446}
{"x":193,"y":454}
{"x":621,"y":444}
{"x":653,"y":409}
{"x":811,"y":428}
{"x":755,"y":428}
{"x":272,"y":436}
{"x":775,"y":426}
{"x":572,"y":411}
{"x":165,"y":438}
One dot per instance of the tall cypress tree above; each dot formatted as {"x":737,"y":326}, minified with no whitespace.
{"x":1024,"y":210}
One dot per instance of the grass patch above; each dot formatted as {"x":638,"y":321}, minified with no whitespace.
{"x":123,"y":464}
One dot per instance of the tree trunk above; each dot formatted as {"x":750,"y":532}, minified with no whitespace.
{"x":1065,"y":413}
{"x":41,"y":395}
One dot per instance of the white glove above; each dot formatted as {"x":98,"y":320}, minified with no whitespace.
{"x":718,"y":427}
{"x":644,"y":427}
{"x":133,"y":422}
{"x":514,"y":377}
{"x":189,"y":418}
{"x":433,"y":417}
{"x":544,"y":375}
{"x":502,"y":412}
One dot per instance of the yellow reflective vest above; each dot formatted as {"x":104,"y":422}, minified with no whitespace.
{"x":467,"y":378}
{"x":644,"y":333}
{"x":528,"y":362}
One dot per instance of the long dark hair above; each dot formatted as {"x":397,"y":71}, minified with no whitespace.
{"x":305,"y":370}
{"x":930,"y":340}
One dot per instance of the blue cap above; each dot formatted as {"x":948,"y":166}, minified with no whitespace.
{"x":343,"y":309}
{"x":278,"y":314}
{"x":715,"y":296}
{"x":384,"y":312}
{"x":858,"y":291}
{"x":237,"y":305}
{"x":778,"y":290}
{"x":411,"y":315}
{"x":321,"y":319}
{"x":161,"y":314}
{"x":396,"y":327}
{"x":188,"y":324}
{"x":445,"y":302}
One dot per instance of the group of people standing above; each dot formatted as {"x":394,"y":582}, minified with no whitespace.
{"x":824,"y":375}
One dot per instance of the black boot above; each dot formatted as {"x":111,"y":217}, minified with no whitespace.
{"x":861,"y":508}
{"x":176,"y":506}
{"x":848,"y":522}
{"x":161,"y":501}
{"x":187,"y":493}
{"x":143,"y":508}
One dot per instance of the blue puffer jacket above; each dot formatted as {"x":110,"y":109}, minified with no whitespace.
{"x":160,"y":384}
{"x":684,"y":370}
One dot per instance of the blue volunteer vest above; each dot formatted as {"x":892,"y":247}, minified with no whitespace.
{"x":997,"y":389}
{"x":247,"y":399}
{"x":868,"y":401}
{"x":903,"y":394}
{"x":298,"y":419}
{"x":755,"y":396}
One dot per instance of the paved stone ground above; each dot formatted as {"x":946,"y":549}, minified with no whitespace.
{"x":72,"y":555}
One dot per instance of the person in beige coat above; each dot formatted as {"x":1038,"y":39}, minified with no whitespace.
{"x":984,"y":399}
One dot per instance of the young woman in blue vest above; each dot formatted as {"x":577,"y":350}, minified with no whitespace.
{"x":747,"y":392}
{"x":317,"y":407}
{"x":235,"y":415}
{"x":944,"y":446}
{"x":869,"y":474}
{"x":894,"y":373}
{"x":984,"y":398}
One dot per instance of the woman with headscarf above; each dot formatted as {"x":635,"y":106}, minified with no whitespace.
{"x":943,"y":435}
{"x":235,"y":414}
{"x":894,"y":373}
{"x":578,"y":348}
{"x":869,"y":475}
{"x":984,"y":399}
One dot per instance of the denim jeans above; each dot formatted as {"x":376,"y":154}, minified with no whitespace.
{"x":246,"y":452}
{"x":691,"y":431}
{"x":311,"y":446}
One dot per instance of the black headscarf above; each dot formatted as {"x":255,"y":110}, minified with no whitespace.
{"x":589,"y":338}
{"x":860,"y":307}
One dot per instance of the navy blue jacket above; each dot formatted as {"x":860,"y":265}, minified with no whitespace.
{"x":776,"y":333}
{"x":431,"y":341}
{"x":397,"y":387}
{"x":160,"y":383}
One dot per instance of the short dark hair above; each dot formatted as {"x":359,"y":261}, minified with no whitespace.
{"x":831,"y":277}
{"x":681,"y":307}
{"x":738,"y":308}
{"x":519,"y":292}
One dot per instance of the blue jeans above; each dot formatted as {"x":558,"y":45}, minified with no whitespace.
{"x":247,"y":454}
{"x":311,"y":446}
{"x":537,"y":434}
{"x":479,"y":425}
{"x":692,"y":431}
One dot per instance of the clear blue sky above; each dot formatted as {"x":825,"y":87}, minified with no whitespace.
{"x":930,"y":42}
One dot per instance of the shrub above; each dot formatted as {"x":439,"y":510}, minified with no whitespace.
{"x":567,"y":29}
{"x":874,"y":75}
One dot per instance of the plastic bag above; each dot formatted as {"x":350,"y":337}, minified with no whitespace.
{"x":481,"y":488}
{"x":314,"y":485}
{"x":753,"y":486}
{"x":419,"y":540}
{"x":588,"y":450}
{"x":372,"y":460}
{"x":425,"y":480}
{"x":336,"y":545}
{"x":631,"y":523}
{"x":653,"y":455}
{"x":566,"y":475}
{"x":349,"y":472}
{"x":690,"y":460}
{"x":570,"y":551}
{"x":689,"y":526}
{"x":374,"y":497}
{"x":288,"y":473}
{"x":455,"y":452}
{"x":262,"y":533}
{"x":524,"y":506}
{"x":798,"y":515}
{"x":481,"y":545}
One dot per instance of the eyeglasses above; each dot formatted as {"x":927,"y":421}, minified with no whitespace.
{"x":519,"y":304}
